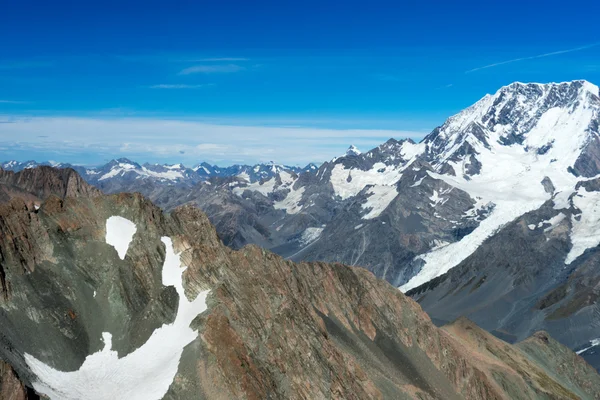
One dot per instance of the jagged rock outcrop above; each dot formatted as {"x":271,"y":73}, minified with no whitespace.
{"x":41,"y":182}
{"x":11,"y":388}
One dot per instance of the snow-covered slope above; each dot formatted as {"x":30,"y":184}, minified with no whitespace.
{"x":353,"y":151}
{"x":144,"y":374}
{"x":126,"y":169}
{"x":517,"y":149}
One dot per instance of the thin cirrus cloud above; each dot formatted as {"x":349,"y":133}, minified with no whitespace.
{"x":554,"y":53}
{"x":220,"y":59}
{"x":180,"y":86}
{"x":13,"y":102}
{"x":176,"y":58}
{"x":212,"y":69}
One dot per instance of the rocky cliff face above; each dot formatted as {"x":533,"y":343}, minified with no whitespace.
{"x":78,"y":309}
{"x":36,"y":184}
{"x":11,"y":388}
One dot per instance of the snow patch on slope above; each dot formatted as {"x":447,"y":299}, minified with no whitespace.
{"x":379,"y":174}
{"x":310,"y":235}
{"x":585,"y":233}
{"x":382,"y":179}
{"x":263,"y":188}
{"x":291,"y":203}
{"x":557,"y":219}
{"x":119,"y":234}
{"x":436,"y":198}
{"x":593,"y":343}
{"x":417,"y":183}
{"x":146,"y":373}
{"x":116,"y":170}
{"x":172,"y":173}
{"x":244,"y":175}
{"x":379,"y":199}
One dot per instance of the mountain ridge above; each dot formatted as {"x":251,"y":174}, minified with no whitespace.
{"x":271,"y":328}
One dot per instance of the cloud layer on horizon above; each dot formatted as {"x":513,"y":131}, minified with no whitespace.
{"x":168,"y":140}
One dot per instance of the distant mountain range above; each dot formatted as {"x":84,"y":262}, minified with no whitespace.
{"x":495,"y":215}
{"x":123,"y":169}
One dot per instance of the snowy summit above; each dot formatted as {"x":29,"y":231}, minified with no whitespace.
{"x":353,"y":151}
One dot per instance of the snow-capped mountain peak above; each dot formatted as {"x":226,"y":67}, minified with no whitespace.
{"x":518,"y":114}
{"x":502,"y":150}
{"x":353,"y":151}
{"x":174,"y":166}
{"x":10,"y":164}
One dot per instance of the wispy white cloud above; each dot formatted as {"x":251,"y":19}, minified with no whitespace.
{"x":212,"y":69}
{"x":221,"y":59}
{"x":554,"y":53}
{"x":148,"y":139}
{"x":13,"y":102}
{"x":176,"y":58}
{"x":180,"y":86}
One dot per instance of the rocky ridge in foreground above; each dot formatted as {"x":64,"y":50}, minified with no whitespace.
{"x":270,"y":328}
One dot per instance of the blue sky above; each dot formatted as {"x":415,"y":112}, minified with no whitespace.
{"x":291,"y":82}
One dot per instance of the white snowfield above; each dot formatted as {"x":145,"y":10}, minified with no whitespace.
{"x":310,"y":235}
{"x":146,"y":373}
{"x":119,"y":234}
{"x":381,"y":179}
{"x":290,"y":203}
{"x":173,"y":172}
{"x":379,"y":199}
{"x":511,"y":176}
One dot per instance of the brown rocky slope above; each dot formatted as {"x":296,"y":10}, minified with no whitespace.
{"x":273,"y":329}
{"x":35,"y":184}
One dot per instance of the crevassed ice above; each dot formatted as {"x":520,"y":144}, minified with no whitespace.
{"x":146,"y":373}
